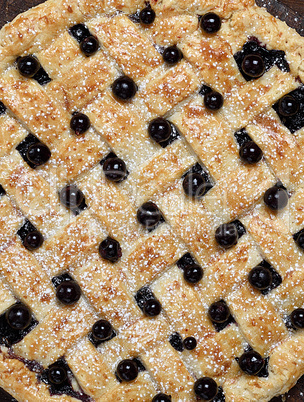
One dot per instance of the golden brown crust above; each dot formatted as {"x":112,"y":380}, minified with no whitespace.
{"x":22,"y":272}
{"x":122,"y":38}
{"x":104,"y":286}
{"x":169,"y":371}
{"x":151,"y":256}
{"x":36,"y":28}
{"x":155,"y":173}
{"x":253,"y":98}
{"x":90,"y":368}
{"x":187,"y":318}
{"x":22,"y":383}
{"x":56,"y":333}
{"x":282,"y":150}
{"x":169,"y":88}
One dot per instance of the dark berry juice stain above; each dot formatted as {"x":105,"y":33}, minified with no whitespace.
{"x":66,"y":386}
{"x":57,"y":280}
{"x":220,"y":326}
{"x":2,"y":108}
{"x":270,"y":57}
{"x":97,"y":342}
{"x":264,"y":372}
{"x":197,"y":168}
{"x":25,"y":229}
{"x":42,"y":77}
{"x":143,"y":295}
{"x":32,"y":365}
{"x":79,"y":32}
{"x":2,"y":191}
{"x":9,"y":336}
{"x":276,"y":277}
{"x":109,"y":156}
{"x":176,"y":341}
{"x":23,"y":147}
{"x":135,"y":17}
{"x":175,"y":134}
{"x":205,"y":90}
{"x":239,"y":227}
{"x":220,"y":396}
{"x":242,"y":137}
{"x":295,"y":122}
{"x":186,"y":260}
{"x":6,"y":397}
{"x":76,"y":211}
{"x":139,"y":364}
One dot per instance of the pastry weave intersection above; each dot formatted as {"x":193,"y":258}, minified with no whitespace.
{"x":153,"y":261}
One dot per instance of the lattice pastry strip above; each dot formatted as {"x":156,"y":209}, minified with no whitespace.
{"x":134,"y":340}
{"x":189,"y":318}
{"x":296,"y":211}
{"x":90,"y":8}
{"x":229,"y":272}
{"x":32,"y":194}
{"x":71,"y":243}
{"x":56,"y":333}
{"x":90,"y":368}
{"x":191,"y":222}
{"x":51,"y":126}
{"x":60,"y":15}
{"x":120,"y":36}
{"x":288,"y":355}
{"x":75,"y":90}
{"x":256,"y":22}
{"x":238,"y":191}
{"x":11,"y":370}
{"x":253,"y":98}
{"x":121,"y":125}
{"x":6,"y":297}
{"x":254,"y":313}
{"x":62,"y":55}
{"x":151,"y":256}
{"x":141,"y":390}
{"x":175,"y":379}
{"x":51,"y":122}
{"x":169,"y":29}
{"x":214,"y":356}
{"x":11,"y":133}
{"x":271,"y":234}
{"x":169,"y":87}
{"x":159,"y":172}
{"x":289,"y":295}
{"x":111,"y":206}
{"x":111,"y":290}
{"x":106,"y":289}
{"x":201,"y":129}
{"x":213,"y":59}
{"x":281,"y":149}
{"x":223,"y":7}
{"x":30,"y":283}
{"x":130,"y":342}
{"x":10,"y":220}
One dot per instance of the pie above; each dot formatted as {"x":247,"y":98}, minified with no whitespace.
{"x":152,"y":202}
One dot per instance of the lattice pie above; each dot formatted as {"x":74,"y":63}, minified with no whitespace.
{"x":152,"y":202}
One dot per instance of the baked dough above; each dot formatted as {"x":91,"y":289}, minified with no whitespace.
{"x":150,"y":259}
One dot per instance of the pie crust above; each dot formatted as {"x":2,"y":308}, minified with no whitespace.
{"x":149,"y":258}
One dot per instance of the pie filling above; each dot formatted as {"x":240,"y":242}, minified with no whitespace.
{"x":192,"y":175}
